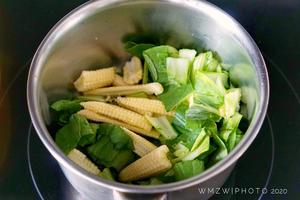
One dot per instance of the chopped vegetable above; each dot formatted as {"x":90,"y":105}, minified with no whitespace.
{"x":155,"y":58}
{"x":207,"y":92}
{"x":91,"y":98}
{"x":186,"y":115}
{"x":187,"y":169}
{"x":203,"y":147}
{"x":231,"y":102}
{"x":63,"y":109}
{"x":175,"y":94}
{"x":153,"y":163}
{"x":137,"y":49}
{"x":91,"y":115}
{"x":118,"y":113}
{"x":80,"y":159}
{"x":163,"y":126}
{"x":149,"y":88}
{"x":141,"y":145}
{"x":142,"y":105}
{"x":145,"y":74}
{"x":188,"y":54}
{"x":229,"y":126}
{"x":178,"y":69}
{"x":77,"y":132}
{"x":113,"y":147}
{"x":89,"y":80}
{"x":106,"y":174}
{"x":119,"y":81}
{"x":133,"y":71}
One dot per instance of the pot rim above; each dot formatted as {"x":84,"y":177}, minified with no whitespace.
{"x":230,"y":159}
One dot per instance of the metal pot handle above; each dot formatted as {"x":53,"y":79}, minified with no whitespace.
{"x":133,"y":196}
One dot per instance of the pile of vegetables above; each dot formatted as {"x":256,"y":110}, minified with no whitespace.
{"x":168,"y":116}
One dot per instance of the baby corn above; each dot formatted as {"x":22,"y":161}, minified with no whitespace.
{"x":118,"y":113}
{"x":132,"y":71}
{"x":80,"y":159}
{"x":91,"y":115}
{"x":149,"y":88}
{"x":149,"y":165}
{"x":119,"y":81}
{"x":142,"y":105}
{"x":89,"y":80}
{"x":141,"y":145}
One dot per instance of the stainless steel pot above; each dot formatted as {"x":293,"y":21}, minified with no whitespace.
{"x":90,"y":36}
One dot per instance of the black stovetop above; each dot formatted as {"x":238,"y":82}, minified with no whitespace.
{"x":27,"y":171}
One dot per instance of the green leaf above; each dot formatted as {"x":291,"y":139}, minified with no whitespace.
{"x":187,"y":169}
{"x":63,"y":109}
{"x":187,"y":136}
{"x":231,"y":102}
{"x":106,"y":174}
{"x":239,"y":136}
{"x":163,"y":126}
{"x":199,"y":139}
{"x":124,"y":158}
{"x":137,"y":49}
{"x":201,"y":112}
{"x":179,"y":117}
{"x":231,"y":141}
{"x":222,"y":76}
{"x":88,"y":133}
{"x":70,"y":106}
{"x":188,"y":54}
{"x":203,"y":147}
{"x":178,"y":69}
{"x":207,"y":92}
{"x":222,"y":151}
{"x":145,"y":73}
{"x":229,"y":126}
{"x":174,"y":94}
{"x":205,"y":62}
{"x":113,"y":147}
{"x":155,"y":58}
{"x":117,"y":135}
{"x":77,"y":131}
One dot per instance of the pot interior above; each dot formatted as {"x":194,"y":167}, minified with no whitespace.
{"x":92,"y":37}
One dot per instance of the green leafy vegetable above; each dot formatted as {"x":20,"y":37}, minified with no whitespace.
{"x":205,"y":62}
{"x":63,"y":109}
{"x":77,"y":131}
{"x":229,"y":126}
{"x":137,"y":49}
{"x":202,"y":147}
{"x":163,"y":126}
{"x":231,"y":102}
{"x":215,"y":76}
{"x":178,"y":69}
{"x":106,"y":174}
{"x":179,"y":119}
{"x":174,"y":94}
{"x":70,"y":106}
{"x":207,"y":92}
{"x":88,"y":133}
{"x":145,"y":74}
{"x":156,"y":61}
{"x":201,"y":112}
{"x":188,"y":54}
{"x":187,"y":169}
{"x":222,"y":150}
{"x":113,"y":147}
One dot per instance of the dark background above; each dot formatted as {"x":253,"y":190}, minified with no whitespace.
{"x":273,"y":24}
